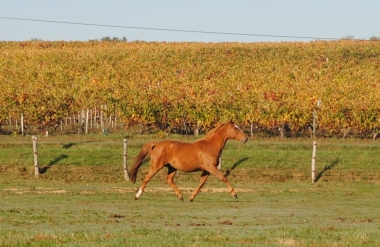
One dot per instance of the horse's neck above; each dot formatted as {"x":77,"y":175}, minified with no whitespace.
{"x":219,"y":140}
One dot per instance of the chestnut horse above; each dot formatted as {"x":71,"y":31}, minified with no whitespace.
{"x":202,"y":155}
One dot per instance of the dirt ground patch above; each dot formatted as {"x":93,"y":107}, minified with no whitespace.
{"x":37,"y":190}
{"x":122,"y":190}
{"x":184,"y":189}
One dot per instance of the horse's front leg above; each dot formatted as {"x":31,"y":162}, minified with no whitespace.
{"x":204,"y":177}
{"x":214,"y":171}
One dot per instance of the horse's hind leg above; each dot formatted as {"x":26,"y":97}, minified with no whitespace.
{"x":152,"y":171}
{"x":170,"y":179}
{"x":204,"y":177}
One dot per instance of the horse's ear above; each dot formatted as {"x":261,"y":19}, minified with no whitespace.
{"x":231,"y":121}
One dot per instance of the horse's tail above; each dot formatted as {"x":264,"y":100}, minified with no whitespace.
{"x":146,"y":149}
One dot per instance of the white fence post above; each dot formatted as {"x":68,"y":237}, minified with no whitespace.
{"x":36,"y":168}
{"x":313,"y":161}
{"x":220,"y":162}
{"x":126,"y":175}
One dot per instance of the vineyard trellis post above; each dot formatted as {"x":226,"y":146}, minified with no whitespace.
{"x":86,"y":122}
{"x":125,"y":146}
{"x":36,"y":168}
{"x":101,"y":118}
{"x":22,"y":123}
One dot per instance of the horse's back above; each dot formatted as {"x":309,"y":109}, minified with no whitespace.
{"x":173,"y":146}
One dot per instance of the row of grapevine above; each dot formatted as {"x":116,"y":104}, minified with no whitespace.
{"x":171,"y":84}
{"x":84,"y":122}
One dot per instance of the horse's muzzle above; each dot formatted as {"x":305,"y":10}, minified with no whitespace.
{"x":244,"y":140}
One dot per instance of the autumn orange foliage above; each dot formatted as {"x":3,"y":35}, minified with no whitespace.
{"x":167,"y":84}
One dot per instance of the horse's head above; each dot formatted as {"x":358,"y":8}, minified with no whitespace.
{"x":234,"y":132}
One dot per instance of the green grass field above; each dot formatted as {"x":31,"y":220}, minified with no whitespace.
{"x":82,"y":199}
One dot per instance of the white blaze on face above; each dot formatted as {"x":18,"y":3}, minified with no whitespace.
{"x":238,"y":128}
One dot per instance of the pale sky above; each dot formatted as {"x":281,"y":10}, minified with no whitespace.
{"x":201,"y":21}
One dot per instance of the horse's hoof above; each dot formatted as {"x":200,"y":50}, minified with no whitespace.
{"x":181,"y":198}
{"x":235,"y":196}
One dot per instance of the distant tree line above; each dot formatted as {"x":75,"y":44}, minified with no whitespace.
{"x":373,"y":38}
{"x":106,"y":38}
{"x":124,"y":39}
{"x":109,"y":39}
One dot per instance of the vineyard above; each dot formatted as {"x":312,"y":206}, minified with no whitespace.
{"x":177,"y":86}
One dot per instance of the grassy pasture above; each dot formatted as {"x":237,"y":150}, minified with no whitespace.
{"x":81,"y":199}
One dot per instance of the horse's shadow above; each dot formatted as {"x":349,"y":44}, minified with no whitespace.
{"x":237,"y":163}
{"x":329,"y":167}
{"x":71,"y":144}
{"x":53,"y":162}
{"x":68,"y":145}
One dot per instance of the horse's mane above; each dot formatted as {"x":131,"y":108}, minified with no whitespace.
{"x":212,"y":132}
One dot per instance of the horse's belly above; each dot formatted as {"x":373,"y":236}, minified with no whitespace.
{"x":186,"y":166}
{"x":192,"y":163}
